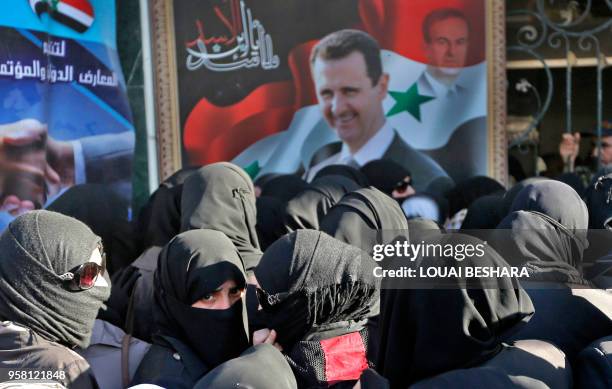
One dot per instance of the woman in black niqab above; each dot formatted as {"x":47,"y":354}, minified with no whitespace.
{"x":193,"y":266}
{"x":425,"y":332}
{"x":318,"y":294}
{"x":221,"y":196}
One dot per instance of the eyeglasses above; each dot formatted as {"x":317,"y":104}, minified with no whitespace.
{"x":84,"y":276}
{"x":403,"y":184}
{"x":268,"y":301}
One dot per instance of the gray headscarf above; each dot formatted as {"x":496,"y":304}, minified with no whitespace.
{"x":35,"y":250}
{"x":220,"y":196}
{"x":548,"y":225}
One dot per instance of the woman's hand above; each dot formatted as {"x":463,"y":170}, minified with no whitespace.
{"x":268,"y":336}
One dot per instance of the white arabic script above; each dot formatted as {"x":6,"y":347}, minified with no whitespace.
{"x":249,"y":48}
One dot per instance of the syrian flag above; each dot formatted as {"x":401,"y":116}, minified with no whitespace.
{"x":423,"y":120}
{"x":76,"y":14}
{"x":280,"y":126}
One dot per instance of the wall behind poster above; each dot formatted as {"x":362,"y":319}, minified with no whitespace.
{"x":59,"y":67}
{"x":246,"y":92}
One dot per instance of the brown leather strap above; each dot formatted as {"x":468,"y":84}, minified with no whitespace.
{"x":125,"y":360}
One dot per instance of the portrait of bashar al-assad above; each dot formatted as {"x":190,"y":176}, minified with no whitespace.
{"x":453,"y":116}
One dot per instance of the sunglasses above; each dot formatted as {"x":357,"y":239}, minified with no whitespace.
{"x":84,"y":276}
{"x":268,"y":301}
{"x":403,"y":184}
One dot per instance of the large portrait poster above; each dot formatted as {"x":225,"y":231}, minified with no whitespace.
{"x":64,"y":112}
{"x":246,"y":92}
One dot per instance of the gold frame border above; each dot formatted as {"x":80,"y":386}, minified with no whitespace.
{"x":497,"y":160}
{"x":165,"y":88}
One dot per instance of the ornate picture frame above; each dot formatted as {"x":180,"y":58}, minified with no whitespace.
{"x":166,"y":91}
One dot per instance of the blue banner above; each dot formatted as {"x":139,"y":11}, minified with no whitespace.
{"x":64,"y":113}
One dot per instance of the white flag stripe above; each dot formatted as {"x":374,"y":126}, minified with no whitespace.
{"x":75,"y":14}
{"x":441,"y":116}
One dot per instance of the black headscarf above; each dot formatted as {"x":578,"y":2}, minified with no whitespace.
{"x":465,"y":192}
{"x":346,"y":171}
{"x":270,"y":211}
{"x":317,"y":287}
{"x":192,"y":265}
{"x":307,"y":209}
{"x":259,"y":367}
{"x":102,"y":210}
{"x":425,"y":332}
{"x":549,"y":250}
{"x":547,"y":232}
{"x":283,"y":187}
{"x":160,"y":218}
{"x":384,"y":174}
{"x":221,"y":197}
{"x":94,"y":204}
{"x":599,"y":202}
{"x":35,"y":250}
{"x":353,"y":219}
{"x":484,"y":213}
{"x":556,"y":200}
{"x":511,"y":194}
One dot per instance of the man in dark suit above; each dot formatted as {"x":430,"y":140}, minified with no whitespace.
{"x":350,"y":87}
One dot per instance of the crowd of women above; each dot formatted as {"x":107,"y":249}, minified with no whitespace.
{"x":220,"y":283}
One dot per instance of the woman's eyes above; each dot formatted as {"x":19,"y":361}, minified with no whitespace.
{"x":235,"y":291}
{"x":207,"y":297}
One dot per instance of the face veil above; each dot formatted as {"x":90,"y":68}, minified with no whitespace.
{"x":193,"y":264}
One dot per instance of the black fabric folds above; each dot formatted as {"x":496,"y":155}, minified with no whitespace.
{"x":102,"y":210}
{"x":346,"y":171}
{"x":192,"y":265}
{"x":270,"y":211}
{"x":220,"y":196}
{"x":259,"y":367}
{"x":425,"y":332}
{"x":306,"y":210}
{"x":511,"y":194}
{"x":484,"y":213}
{"x":547,"y":249}
{"x":160,"y":219}
{"x":316,"y":287}
{"x":465,"y":192}
{"x":364,"y":218}
{"x":283,"y":187}
{"x":548,"y":232}
{"x":35,"y":250}
{"x":556,"y":200}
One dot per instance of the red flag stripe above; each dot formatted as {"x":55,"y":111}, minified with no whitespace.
{"x":80,"y":11}
{"x":396,"y":24}
{"x":215,"y":133}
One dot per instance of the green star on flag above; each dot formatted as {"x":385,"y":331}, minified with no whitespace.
{"x":409,"y":101}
